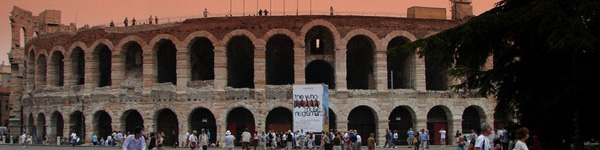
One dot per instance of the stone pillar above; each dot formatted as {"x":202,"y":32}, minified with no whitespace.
{"x":418,"y":69}
{"x":220,"y":69}
{"x":342,"y":124}
{"x":90,"y":127}
{"x":421,"y":123}
{"x":69,"y":75}
{"x":149,"y":69}
{"x":382,"y":125}
{"x":118,"y":70}
{"x":51,"y":72}
{"x":259,"y":67}
{"x":91,"y":71}
{"x":340,"y":68}
{"x":299,"y":65}
{"x":183,"y":69}
{"x":456,"y":125}
{"x":183,"y":127}
{"x":381,"y":69}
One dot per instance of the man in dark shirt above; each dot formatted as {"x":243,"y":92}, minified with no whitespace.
{"x":353,"y":140}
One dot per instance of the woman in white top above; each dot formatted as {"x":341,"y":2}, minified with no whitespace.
{"x":193,"y":140}
{"x":521,"y":135}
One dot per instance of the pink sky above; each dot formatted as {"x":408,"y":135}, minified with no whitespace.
{"x":94,"y":12}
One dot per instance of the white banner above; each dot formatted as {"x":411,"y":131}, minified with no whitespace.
{"x":310,"y":105}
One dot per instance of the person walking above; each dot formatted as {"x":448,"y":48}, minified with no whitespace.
{"x":423,"y":139}
{"x":229,"y":140}
{"x":460,"y":142}
{"x":135,"y":141}
{"x":395,"y":138}
{"x":337,"y":142}
{"x":353,"y":140}
{"x":387,"y":138}
{"x":358,"y":140}
{"x":482,"y":142}
{"x":256,"y":138}
{"x":410,"y":134}
{"x":443,"y":138}
{"x":193,"y":140}
{"x":152,"y":143}
{"x":203,"y":140}
{"x":263,"y":141}
{"x":289,"y":140}
{"x":522,"y":134}
{"x":246,"y":139}
{"x":371,"y":142}
{"x":416,"y":141}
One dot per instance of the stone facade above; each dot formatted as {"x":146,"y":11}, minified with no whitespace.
{"x":50,"y":103}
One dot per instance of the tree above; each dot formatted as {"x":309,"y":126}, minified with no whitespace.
{"x":546,"y":64}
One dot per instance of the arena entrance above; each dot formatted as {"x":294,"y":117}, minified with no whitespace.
{"x":401,"y":119}
{"x":363,"y":119}
{"x":240,"y":62}
{"x":103,"y":123}
{"x":167,"y":123}
{"x":78,"y":124}
{"x":132,"y":119}
{"x":202,"y":118}
{"x":166,"y":58}
{"x":57,"y":125}
{"x":279,"y":120}
{"x":472,"y":118}
{"x":239,"y":119}
{"x":438,"y":118}
{"x":41,"y":124}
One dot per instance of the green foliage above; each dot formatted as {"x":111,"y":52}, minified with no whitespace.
{"x":545,"y":61}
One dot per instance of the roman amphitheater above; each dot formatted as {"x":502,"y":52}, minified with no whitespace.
{"x":230,"y":73}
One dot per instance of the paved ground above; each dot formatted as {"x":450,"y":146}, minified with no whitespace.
{"x":36,"y":147}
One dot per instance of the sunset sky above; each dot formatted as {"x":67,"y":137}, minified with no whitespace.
{"x":96,"y":12}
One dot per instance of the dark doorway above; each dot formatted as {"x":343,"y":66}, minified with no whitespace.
{"x":58,"y":68}
{"x":41,"y":125}
{"x":320,"y":71}
{"x":103,"y":123}
{"x":166,"y":58}
{"x":57,"y":123}
{"x":167,"y":123}
{"x":132,"y":119}
{"x":437,"y":119}
{"x":31,"y":125}
{"x":239,"y":119}
{"x":240,"y":62}
{"x":202,"y":118}
{"x":78,"y":124}
{"x":359,"y":63}
{"x":279,"y":120}
{"x":401,"y":120}
{"x":103,"y":56}
{"x":319,"y":41}
{"x":399,"y":62}
{"x":133,"y":61}
{"x":363,"y":119}
{"x":280,"y":60}
{"x":472,"y":118}
{"x":78,"y":65}
{"x":202,"y":59}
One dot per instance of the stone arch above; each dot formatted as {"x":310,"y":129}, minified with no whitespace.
{"x":360,"y":60}
{"x":241,"y":32}
{"x":31,"y":126}
{"x":282,"y":31}
{"x":399,"y":64}
{"x":167,"y":122}
{"x":99,"y":42}
{"x":102,"y":55}
{"x":56,"y":125}
{"x":203,"y":118}
{"x":131,"y":54}
{"x":201,"y":52}
{"x":75,"y":45}
{"x":238,"y":119}
{"x":279,"y":119}
{"x":439,"y":117}
{"x":30,"y":68}
{"x":402,"y":118}
{"x":240,"y":60}
{"x":279,"y":60}
{"x":131,"y":38}
{"x":199,"y":34}
{"x":77,"y":56}
{"x":130,"y":119}
{"x":165,"y":56}
{"x":320,"y":22}
{"x":398,"y":33}
{"x":41,"y":125}
{"x":56,"y":66}
{"x":372,"y":36}
{"x":102,"y":123}
{"x":77,"y":124}
{"x":364,"y":119}
{"x":41,"y":68}
{"x":472,"y":118}
{"x":22,"y":37}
